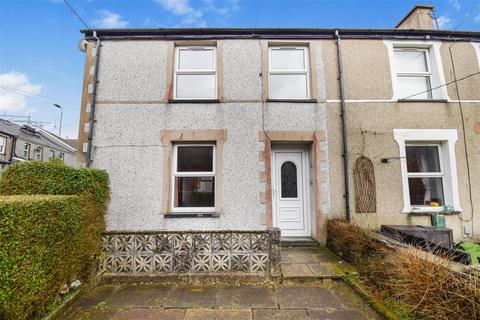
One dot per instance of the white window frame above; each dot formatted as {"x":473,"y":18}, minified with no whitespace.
{"x":51,"y":154}
{"x":476,"y":46}
{"x":39,"y":154}
{"x":435,"y":66}
{"x":3,"y":145}
{"x":305,"y":71}
{"x":175,"y":174}
{"x":61,"y":156}
{"x":440,"y":174}
{"x":425,"y":74}
{"x":446,"y":139}
{"x":195,"y":71}
{"x":26,"y":150}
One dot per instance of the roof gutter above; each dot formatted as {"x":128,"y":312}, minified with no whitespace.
{"x":343,"y":116}
{"x":88,"y":161}
{"x":279,"y":33}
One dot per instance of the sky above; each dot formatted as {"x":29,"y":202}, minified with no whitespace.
{"x":40,"y":63}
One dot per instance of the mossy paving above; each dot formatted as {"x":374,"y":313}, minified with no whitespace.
{"x":223,"y":300}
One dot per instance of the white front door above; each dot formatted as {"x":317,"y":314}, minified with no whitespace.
{"x":290,"y":191}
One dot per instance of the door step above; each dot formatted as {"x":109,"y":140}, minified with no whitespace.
{"x":286,"y":242}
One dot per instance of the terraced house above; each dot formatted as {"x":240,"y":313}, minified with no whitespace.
{"x":229,"y":130}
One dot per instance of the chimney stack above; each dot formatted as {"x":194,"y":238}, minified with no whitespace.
{"x":420,"y":17}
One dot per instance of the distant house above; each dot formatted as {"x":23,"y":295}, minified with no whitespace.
{"x":25,"y":143}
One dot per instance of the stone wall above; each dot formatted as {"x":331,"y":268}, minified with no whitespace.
{"x":191,"y":252}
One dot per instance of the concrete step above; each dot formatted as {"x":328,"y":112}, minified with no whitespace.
{"x":298,"y":243}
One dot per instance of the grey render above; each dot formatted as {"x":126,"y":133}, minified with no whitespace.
{"x":42,"y":139}
{"x":126,"y":140}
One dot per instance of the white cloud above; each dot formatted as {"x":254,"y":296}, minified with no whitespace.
{"x":108,"y":19}
{"x":477,"y":18}
{"x":223,"y":8}
{"x":444,"y":22}
{"x":182,"y":8}
{"x":14,"y":87}
{"x":455,"y":4}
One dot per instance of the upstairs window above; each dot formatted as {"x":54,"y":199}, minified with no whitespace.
{"x":289,"y":76}
{"x":26,"y":151}
{"x":413,"y":72}
{"x":61,"y":156}
{"x":51,"y":154}
{"x":39,"y":154}
{"x":195,"y":73}
{"x":193,"y":178}
{"x":3,"y":143}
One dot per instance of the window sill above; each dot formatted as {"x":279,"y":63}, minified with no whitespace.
{"x":293,"y":100}
{"x":194,"y":101}
{"x":432,"y":213}
{"x":423,"y":100}
{"x":175,"y":215}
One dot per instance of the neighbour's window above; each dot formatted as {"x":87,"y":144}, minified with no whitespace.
{"x":289,"y":76}
{"x":26,"y":151}
{"x":61,"y":156}
{"x":425,"y":174}
{"x":3,"y":143}
{"x":193,"y":177}
{"x":51,"y":154}
{"x":429,"y":170}
{"x":413,"y":71}
{"x":195,"y":73}
{"x":39,"y":154}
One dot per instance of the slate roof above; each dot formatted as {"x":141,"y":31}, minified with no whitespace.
{"x":36,"y":136}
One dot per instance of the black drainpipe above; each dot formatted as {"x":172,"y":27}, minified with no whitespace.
{"x":92,"y":105}
{"x":343,"y":115}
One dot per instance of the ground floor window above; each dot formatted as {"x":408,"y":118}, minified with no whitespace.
{"x":428,"y":164}
{"x":425,"y":174}
{"x":193,"y":178}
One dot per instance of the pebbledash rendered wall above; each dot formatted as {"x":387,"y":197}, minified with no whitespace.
{"x":130,"y":115}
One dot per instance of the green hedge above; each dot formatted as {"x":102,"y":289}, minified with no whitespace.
{"x":38,"y":240}
{"x":56,"y":178}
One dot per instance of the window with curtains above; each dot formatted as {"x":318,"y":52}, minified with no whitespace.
{"x":425,"y":174}
{"x":195,"y":73}
{"x":428,"y":169}
{"x":193,"y":178}
{"x":413,"y":72}
{"x":289,"y":75}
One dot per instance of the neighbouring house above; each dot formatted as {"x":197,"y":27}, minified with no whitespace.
{"x":6,"y":149}
{"x":24,"y":143}
{"x":243,"y":129}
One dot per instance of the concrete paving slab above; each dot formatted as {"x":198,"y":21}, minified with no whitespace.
{"x":96,"y":296}
{"x":218,"y":314}
{"x":191,"y":297}
{"x":336,"y":314}
{"x":246,"y":296}
{"x":319,"y":269}
{"x":269,"y":314}
{"x":303,"y":257}
{"x":92,"y":313}
{"x":296,"y":270}
{"x":306,"y":297}
{"x":139,"y":296}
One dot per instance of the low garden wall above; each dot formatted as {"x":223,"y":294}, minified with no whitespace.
{"x":181,"y":252}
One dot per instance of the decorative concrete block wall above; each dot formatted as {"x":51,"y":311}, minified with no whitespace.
{"x":179,"y":252}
